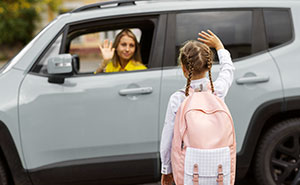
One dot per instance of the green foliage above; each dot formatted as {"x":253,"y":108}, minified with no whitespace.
{"x":53,"y":4}
{"x":18,"y":19}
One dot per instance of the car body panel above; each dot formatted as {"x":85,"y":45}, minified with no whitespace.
{"x":247,"y":97}
{"x":86,"y":117}
{"x":9,"y":99}
{"x":287,"y":58}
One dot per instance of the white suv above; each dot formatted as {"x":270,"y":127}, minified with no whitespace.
{"x":62,"y":124}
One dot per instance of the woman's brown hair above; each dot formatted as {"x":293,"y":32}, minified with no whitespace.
{"x":197,"y":58}
{"x":136,"y":56}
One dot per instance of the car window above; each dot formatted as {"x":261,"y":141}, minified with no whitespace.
{"x":82,"y":41}
{"x":278,"y":27}
{"x":233,"y":27}
{"x":86,"y":47}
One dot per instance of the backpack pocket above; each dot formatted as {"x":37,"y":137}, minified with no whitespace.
{"x":208,"y":162}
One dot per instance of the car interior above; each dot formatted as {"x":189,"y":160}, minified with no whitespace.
{"x":87,"y":51}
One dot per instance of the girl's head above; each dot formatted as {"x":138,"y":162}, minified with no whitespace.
{"x":127,"y":47}
{"x":196,"y":59}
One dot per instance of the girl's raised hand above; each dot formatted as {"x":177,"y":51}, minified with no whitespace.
{"x":107,"y":51}
{"x":210,"y":39}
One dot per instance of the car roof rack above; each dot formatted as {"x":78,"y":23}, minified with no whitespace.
{"x":106,"y":3}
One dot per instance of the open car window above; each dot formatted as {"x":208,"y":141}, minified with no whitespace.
{"x":82,"y":41}
{"x":86,"y":47}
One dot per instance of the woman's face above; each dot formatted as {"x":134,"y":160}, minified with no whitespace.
{"x":126,"y":48}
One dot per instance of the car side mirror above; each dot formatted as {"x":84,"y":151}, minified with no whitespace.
{"x":60,"y":64}
{"x":58,"y":67}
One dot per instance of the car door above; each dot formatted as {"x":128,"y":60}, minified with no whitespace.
{"x":106,"y":124}
{"x":256,"y":76}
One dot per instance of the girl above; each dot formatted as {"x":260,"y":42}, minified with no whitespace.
{"x":126,"y":56}
{"x":196,"y":60}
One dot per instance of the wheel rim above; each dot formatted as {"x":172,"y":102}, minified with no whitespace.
{"x":285,"y":160}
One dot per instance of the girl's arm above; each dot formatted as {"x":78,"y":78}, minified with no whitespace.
{"x":167,"y":133}
{"x":225,"y":77}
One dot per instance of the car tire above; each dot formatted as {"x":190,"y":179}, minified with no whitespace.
{"x":3,"y":173}
{"x":278,"y":155}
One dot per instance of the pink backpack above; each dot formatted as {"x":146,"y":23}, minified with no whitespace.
{"x":203,"y":146}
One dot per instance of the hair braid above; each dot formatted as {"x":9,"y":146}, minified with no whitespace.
{"x":208,"y":57}
{"x":209,"y":65}
{"x":189,"y":79}
{"x":197,"y":59}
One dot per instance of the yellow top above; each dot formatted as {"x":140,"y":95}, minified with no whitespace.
{"x":131,"y":66}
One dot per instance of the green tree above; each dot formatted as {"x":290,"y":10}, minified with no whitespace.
{"x":18,"y":20}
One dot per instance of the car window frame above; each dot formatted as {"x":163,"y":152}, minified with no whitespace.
{"x":124,"y":20}
{"x":171,"y":28}
{"x":155,"y":52}
{"x":31,"y":71}
{"x":292,"y":27}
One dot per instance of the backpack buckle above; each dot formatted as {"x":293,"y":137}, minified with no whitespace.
{"x":220,"y":175}
{"x":195,"y":174}
{"x":195,"y":177}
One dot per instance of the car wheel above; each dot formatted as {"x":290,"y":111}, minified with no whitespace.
{"x":3,"y":174}
{"x":278,"y":156}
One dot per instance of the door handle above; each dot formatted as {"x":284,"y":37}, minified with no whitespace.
{"x":252,"y":79}
{"x":134,"y":91}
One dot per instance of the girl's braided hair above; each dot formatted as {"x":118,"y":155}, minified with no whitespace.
{"x":197,"y":58}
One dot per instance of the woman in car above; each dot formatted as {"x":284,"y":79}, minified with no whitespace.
{"x":122,"y":55}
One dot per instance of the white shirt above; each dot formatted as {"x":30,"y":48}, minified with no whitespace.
{"x":221,"y":86}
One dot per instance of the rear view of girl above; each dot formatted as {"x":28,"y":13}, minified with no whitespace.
{"x":196,"y":61}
